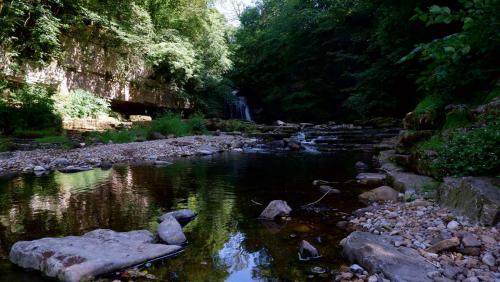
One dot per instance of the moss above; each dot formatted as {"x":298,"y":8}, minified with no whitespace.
{"x":6,"y":145}
{"x":456,"y":119}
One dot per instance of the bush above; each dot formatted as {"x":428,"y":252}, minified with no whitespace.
{"x":471,"y":152}
{"x":28,"y":107}
{"x":196,"y":124}
{"x":238,"y":125}
{"x":6,"y":145}
{"x":116,"y":136}
{"x":82,"y":104}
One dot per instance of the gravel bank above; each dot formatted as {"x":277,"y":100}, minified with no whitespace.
{"x":460,"y":250}
{"x":104,"y":155}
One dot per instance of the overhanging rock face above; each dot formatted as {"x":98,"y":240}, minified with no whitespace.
{"x":82,"y":258}
{"x":115,"y":74}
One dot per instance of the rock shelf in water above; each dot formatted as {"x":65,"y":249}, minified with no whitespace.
{"x":82,"y":258}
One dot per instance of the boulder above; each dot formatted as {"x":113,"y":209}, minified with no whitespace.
{"x":377,"y":254}
{"x":475,"y":197}
{"x":182,"y":216}
{"x":276,"y":208}
{"x":361,"y":166}
{"x":157,"y":136}
{"x":380,"y":194}
{"x":412,"y":184}
{"x":371,"y":178}
{"x":74,"y":169}
{"x":60,"y":162}
{"x":82,"y":258}
{"x":307,"y":251}
{"x":170,"y":231}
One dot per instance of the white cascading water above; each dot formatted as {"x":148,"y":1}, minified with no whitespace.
{"x":309,"y":146}
{"x":240,"y":108}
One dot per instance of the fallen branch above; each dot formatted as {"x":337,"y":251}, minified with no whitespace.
{"x":317,"y":201}
{"x":257,"y":203}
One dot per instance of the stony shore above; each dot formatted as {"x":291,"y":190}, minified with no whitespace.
{"x":455,"y":248}
{"x":154,"y":152}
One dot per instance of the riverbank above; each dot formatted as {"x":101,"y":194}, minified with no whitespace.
{"x":399,"y":236}
{"x":454,"y":248}
{"x":157,"y":152}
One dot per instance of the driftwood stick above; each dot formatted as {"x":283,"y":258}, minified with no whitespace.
{"x":257,"y":203}
{"x":317,"y":201}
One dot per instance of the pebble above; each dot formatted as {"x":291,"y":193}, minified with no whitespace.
{"x":468,"y":251}
{"x":452,"y":225}
{"x":50,"y":159}
{"x":488,"y":259}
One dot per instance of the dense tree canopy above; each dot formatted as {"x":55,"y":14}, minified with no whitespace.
{"x":322,"y":59}
{"x":185,"y":41}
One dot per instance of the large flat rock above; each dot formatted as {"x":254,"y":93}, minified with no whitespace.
{"x":412,"y":184}
{"x":475,"y":197}
{"x":81,"y":258}
{"x":377,"y":254}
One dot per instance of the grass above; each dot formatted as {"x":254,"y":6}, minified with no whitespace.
{"x":456,"y":120}
{"x":53,"y":139}
{"x":434,"y":143}
{"x":6,"y":145}
{"x":167,"y":125}
{"x":238,"y":125}
{"x":35,"y":133}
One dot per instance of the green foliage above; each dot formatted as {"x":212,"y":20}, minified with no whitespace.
{"x":35,"y":133}
{"x":184,"y":41}
{"x":116,"y":136}
{"x":232,"y":125}
{"x":28,"y":107}
{"x":469,"y":152}
{"x":82,"y":104}
{"x":62,"y":139}
{"x":456,"y":119}
{"x":169,"y":124}
{"x":6,"y":145}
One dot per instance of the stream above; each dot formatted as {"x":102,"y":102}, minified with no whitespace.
{"x":226,"y":241}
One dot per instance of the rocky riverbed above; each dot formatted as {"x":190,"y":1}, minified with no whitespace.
{"x":155,"y":152}
{"x":454,"y":248}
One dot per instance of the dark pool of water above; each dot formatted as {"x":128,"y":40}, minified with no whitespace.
{"x":226,"y":241}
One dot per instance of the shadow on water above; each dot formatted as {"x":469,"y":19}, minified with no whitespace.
{"x":226,"y":241}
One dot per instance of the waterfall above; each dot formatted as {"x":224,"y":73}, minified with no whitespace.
{"x":239,"y":108}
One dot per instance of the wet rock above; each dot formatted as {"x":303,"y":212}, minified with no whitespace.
{"x":74,"y":169}
{"x":380,"y":194}
{"x":444,"y":245}
{"x":276,"y":208}
{"x":328,"y":189}
{"x":376,"y":254}
{"x":279,"y":123}
{"x":361,"y":166}
{"x":170,"y":231}
{"x":451,"y":271}
{"x":60,"y":162}
{"x":371,"y":178}
{"x":475,"y":197}
{"x":39,"y":169}
{"x":182,"y":216}
{"x":157,"y":136}
{"x":81,"y":258}
{"x":356,"y":269}
{"x":106,"y":165}
{"x":307,"y":251}
{"x":320,"y":182}
{"x":162,"y":163}
{"x":342,"y":224}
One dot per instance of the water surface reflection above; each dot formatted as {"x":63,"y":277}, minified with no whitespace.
{"x":226,"y":241}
